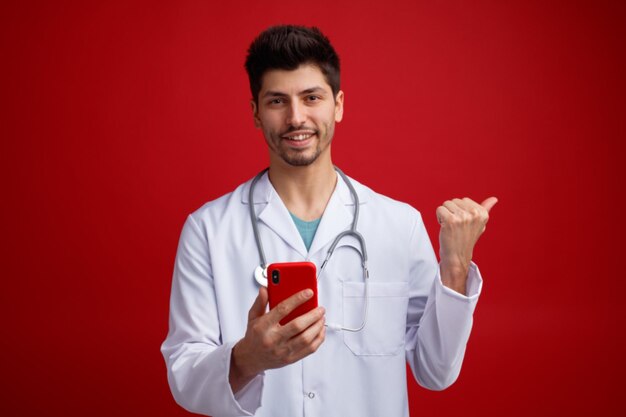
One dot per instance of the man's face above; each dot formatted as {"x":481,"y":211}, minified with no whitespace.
{"x":297,"y":112}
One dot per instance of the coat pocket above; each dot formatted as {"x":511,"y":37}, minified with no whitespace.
{"x":384,"y":329}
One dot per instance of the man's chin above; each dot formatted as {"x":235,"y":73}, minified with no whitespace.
{"x":300,"y":160}
{"x":299,"y":163}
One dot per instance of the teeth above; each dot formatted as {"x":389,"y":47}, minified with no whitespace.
{"x":299,"y":137}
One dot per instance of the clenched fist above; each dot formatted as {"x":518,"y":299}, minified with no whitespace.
{"x":462,"y":222}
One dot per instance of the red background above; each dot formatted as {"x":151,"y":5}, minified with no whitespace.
{"x":120,"y":118}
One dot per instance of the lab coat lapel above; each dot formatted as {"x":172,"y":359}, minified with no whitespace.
{"x":337,"y":217}
{"x":276,"y":216}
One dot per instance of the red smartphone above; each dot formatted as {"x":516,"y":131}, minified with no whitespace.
{"x":286,"y":279}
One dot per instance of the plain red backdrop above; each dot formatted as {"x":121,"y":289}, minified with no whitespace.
{"x":120,"y":118}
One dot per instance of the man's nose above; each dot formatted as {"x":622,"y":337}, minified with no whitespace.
{"x":296,"y":116}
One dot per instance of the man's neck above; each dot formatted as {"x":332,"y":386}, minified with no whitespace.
{"x":305,"y":191}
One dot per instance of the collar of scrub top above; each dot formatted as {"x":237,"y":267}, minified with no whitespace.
{"x":340,"y":220}
{"x":337,"y":217}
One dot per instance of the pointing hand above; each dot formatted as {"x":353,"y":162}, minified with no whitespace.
{"x":462,"y":222}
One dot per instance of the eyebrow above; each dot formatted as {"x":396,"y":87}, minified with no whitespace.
{"x":316,"y":89}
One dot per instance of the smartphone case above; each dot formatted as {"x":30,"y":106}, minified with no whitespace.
{"x":293,"y":277}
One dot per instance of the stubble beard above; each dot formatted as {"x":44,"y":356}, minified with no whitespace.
{"x":299,"y":158}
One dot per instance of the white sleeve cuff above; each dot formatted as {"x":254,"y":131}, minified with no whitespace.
{"x":473,"y":286}
{"x":248,"y":398}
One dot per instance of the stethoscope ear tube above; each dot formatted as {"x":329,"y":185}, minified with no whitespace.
{"x":255,"y":229}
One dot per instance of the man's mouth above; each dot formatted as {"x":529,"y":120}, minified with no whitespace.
{"x":298,"y":136}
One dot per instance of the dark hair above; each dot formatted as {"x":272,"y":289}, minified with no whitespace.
{"x":287,"y":47}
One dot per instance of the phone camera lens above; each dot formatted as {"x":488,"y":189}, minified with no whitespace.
{"x":275,"y":276}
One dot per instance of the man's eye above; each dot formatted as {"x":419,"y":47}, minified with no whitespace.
{"x":276,"y":101}
{"x":313,"y":98}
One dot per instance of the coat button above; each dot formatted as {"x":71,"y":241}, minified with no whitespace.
{"x":311,"y":395}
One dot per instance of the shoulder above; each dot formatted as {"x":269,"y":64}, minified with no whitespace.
{"x":388,"y":207}
{"x":217,"y":211}
{"x":394,"y":229}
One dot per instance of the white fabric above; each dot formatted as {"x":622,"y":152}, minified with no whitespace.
{"x":412,"y":316}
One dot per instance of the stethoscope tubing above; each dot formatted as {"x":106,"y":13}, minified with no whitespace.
{"x":351,"y":232}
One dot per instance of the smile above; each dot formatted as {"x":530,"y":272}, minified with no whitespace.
{"x":298,"y":136}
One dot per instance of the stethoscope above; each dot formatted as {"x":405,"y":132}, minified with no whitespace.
{"x":260,"y":272}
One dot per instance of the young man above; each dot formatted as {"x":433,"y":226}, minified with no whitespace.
{"x":228,"y":356}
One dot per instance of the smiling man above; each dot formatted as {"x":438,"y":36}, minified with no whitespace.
{"x":297,"y":111}
{"x":227,"y":355}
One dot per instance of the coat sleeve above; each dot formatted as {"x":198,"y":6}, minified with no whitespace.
{"x":197,"y":361}
{"x":439,"y":320}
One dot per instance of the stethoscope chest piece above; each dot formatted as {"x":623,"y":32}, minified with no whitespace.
{"x":260,"y":275}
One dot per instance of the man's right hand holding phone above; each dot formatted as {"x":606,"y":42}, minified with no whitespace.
{"x":268,"y":345}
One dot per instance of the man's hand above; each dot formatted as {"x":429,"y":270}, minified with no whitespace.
{"x":269,"y":345}
{"x":462,"y":223}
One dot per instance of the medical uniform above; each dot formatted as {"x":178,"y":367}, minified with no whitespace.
{"x":411,"y":315}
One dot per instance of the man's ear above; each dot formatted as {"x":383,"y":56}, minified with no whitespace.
{"x":255,"y":114}
{"x":339,"y":106}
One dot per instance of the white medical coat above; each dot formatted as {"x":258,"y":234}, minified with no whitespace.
{"x":412,"y":316}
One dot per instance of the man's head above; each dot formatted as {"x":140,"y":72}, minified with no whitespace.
{"x":288,"y":47}
{"x":294,"y":77}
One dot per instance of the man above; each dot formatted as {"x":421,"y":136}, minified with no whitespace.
{"x":226,"y":358}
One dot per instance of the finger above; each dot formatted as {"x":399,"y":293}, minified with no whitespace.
{"x":306,"y":337}
{"x":308,"y":341}
{"x":287,"y":306}
{"x":451,"y":206}
{"x":489,"y":203}
{"x":470,"y":204}
{"x":475,"y":209}
{"x":303,"y":322}
{"x":259,"y":306}
{"x":464,"y":204}
{"x":443,"y":214}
